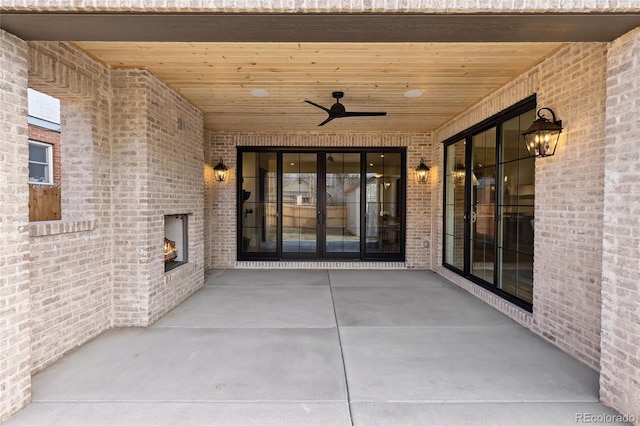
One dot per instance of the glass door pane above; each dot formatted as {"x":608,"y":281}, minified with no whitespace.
{"x":482,"y":214}
{"x":342,"y":203}
{"x":384,"y":203}
{"x":259,"y":201}
{"x":516,"y":204}
{"x":300,"y":213}
{"x":455,"y":205}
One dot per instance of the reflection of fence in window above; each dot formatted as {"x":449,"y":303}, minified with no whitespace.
{"x":44,"y":203}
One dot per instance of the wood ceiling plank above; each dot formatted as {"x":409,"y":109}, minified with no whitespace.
{"x":218,"y":77}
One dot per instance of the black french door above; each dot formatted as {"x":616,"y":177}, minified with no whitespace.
{"x":321,"y":204}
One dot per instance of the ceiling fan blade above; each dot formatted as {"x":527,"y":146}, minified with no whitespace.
{"x":364,"y":114}
{"x":331,"y":117}
{"x":318,"y":106}
{"x":337,"y":110}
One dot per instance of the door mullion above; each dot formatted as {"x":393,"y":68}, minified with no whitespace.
{"x":321,"y":205}
{"x":363,"y":204}
{"x":279,"y":202}
{"x":468,"y":207}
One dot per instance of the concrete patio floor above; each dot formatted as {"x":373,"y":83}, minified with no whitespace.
{"x":318,"y":347}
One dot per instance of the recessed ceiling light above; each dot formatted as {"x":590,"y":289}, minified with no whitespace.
{"x":259,"y":93}
{"x":413,"y":93}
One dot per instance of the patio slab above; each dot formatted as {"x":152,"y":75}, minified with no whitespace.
{"x":478,"y":414}
{"x":262,"y":307}
{"x":272,"y":277}
{"x":461,"y":364}
{"x":258,"y":347}
{"x":183,"y":413}
{"x":383,"y":278}
{"x":432,"y":304}
{"x":199,"y":365}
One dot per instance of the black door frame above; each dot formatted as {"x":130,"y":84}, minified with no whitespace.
{"x":321,"y":253}
{"x":466,"y":135}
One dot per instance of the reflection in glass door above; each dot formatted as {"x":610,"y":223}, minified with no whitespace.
{"x":454,"y":219}
{"x":516,"y":207}
{"x":489,"y":194}
{"x":323,"y":204}
{"x":300,"y":212}
{"x":341,"y":218}
{"x":482,"y":212}
{"x":258,"y":203}
{"x":383,"y":196}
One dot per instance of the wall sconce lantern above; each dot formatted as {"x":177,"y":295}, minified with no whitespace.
{"x":422,"y":172}
{"x":220,"y":171}
{"x":542,"y":136}
{"x":458,"y":174}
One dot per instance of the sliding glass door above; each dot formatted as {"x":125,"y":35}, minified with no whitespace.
{"x":321,"y":204}
{"x":489,"y":205}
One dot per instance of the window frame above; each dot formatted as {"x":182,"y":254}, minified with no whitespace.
{"x":49,"y":163}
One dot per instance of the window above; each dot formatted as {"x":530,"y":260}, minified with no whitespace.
{"x":489,"y":205}
{"x":40,"y":163}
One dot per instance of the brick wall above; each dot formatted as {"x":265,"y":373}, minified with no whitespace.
{"x":569,"y":203}
{"x":51,"y":137}
{"x":176,"y":185}
{"x":569,"y":199}
{"x":71,"y":266}
{"x":450,"y":6}
{"x":158,"y":170}
{"x":620,"y":362}
{"x":15,"y":326}
{"x":131,"y":217}
{"x":220,"y":208}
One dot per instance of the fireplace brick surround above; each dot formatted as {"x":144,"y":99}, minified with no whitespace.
{"x":159,"y":173}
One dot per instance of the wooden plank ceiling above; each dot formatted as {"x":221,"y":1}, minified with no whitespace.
{"x":218,"y":78}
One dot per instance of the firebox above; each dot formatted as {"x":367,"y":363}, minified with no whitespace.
{"x":175,"y":241}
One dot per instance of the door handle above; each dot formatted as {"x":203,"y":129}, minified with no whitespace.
{"x":320,"y":213}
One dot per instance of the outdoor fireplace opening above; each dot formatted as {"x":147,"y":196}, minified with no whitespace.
{"x":175,"y":241}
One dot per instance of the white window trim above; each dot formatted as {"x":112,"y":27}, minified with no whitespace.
{"x":49,"y":148}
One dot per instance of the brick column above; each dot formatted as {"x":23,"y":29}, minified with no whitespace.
{"x":620,"y":337}
{"x":157,"y":169}
{"x":15,"y":316}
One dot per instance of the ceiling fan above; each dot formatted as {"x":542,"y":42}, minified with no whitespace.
{"x":337,"y":110}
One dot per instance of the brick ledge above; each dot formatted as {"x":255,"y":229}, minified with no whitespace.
{"x":516,"y":313}
{"x":319,"y":265}
{"x":55,"y":227}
